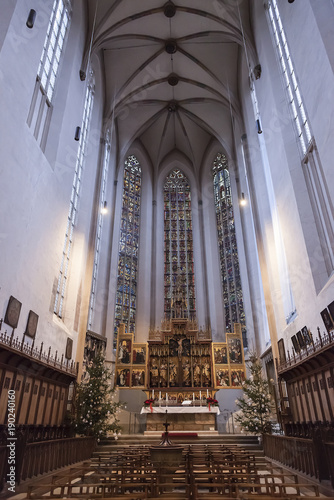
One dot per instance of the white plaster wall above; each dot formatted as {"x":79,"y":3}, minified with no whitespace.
{"x":7,"y":10}
{"x":37,"y":185}
{"x":316,"y":82}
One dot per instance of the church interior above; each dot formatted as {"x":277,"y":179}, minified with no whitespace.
{"x":167,"y":203}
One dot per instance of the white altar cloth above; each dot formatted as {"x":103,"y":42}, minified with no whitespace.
{"x":181,"y":409}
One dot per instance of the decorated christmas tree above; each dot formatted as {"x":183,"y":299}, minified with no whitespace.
{"x":256,"y":406}
{"x":95,"y":411}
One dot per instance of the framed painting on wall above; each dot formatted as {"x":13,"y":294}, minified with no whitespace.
{"x":306,"y":335}
{"x":281,"y":351}
{"x":69,"y":348}
{"x":326,"y":318}
{"x":295,"y":343}
{"x":31,"y":327}
{"x":330,"y":308}
{"x":13,"y":312}
{"x":301,"y":340}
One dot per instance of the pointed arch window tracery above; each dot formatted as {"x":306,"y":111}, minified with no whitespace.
{"x":127,"y":270}
{"x":178,"y":242}
{"x":228,"y":250}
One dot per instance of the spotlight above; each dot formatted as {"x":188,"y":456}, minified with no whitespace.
{"x":243,"y":202}
{"x":104,"y":209}
{"x":77,"y":134}
{"x":31,"y":19}
{"x":258,"y":126}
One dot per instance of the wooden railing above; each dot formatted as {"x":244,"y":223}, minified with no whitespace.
{"x":38,"y":354}
{"x":297,"y":453}
{"x":45,"y":456}
{"x":323,"y":342}
{"x":329,"y":448}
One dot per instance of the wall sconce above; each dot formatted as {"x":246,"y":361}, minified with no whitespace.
{"x":31,"y":19}
{"x":104,"y":209}
{"x":258,"y":126}
{"x":243,"y":202}
{"x":77,"y":134}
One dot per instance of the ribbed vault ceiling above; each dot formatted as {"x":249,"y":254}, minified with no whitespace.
{"x":171,"y":71}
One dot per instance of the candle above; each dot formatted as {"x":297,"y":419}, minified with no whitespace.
{"x":159,"y":394}
{"x":193,"y":396}
{"x":166,"y":398}
{"x":207,"y":393}
{"x":153,"y":394}
{"x":200,"y":395}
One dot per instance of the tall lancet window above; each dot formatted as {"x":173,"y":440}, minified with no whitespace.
{"x":228,"y":250}
{"x":125,"y":310}
{"x":98,"y":235}
{"x":75,"y":197}
{"x":319,"y":192}
{"x":41,"y":106}
{"x":179,"y":255}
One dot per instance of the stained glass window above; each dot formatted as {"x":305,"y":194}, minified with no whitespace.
{"x":125,"y":309}
{"x":178,"y":245}
{"x":228,"y":250}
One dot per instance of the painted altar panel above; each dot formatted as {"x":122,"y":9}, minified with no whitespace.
{"x":180,"y":358}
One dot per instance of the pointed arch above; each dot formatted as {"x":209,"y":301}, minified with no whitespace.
{"x":127,"y":269}
{"x":228,"y":249}
{"x":178,"y":241}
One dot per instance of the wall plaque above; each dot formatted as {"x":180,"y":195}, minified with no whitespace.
{"x":31,"y":327}
{"x":13,"y":312}
{"x":69,"y":347}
